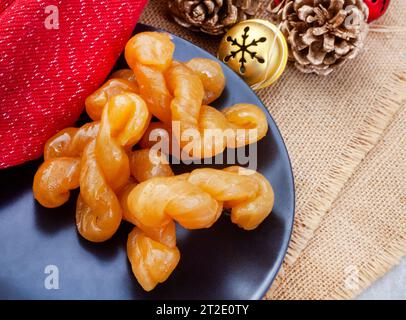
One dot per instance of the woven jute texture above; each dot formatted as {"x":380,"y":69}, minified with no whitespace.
{"x":345,"y":134}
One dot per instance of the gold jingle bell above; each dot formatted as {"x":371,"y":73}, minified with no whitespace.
{"x":256,"y":50}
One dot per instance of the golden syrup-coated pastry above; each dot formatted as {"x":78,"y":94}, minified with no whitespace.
{"x":223,"y":185}
{"x":217,"y":130}
{"x":195,"y":200}
{"x":204,"y":131}
{"x":250,"y":213}
{"x":247,"y":117}
{"x":124,"y":121}
{"x":70,"y":142}
{"x":126,"y":74}
{"x":106,"y":168}
{"x":61,"y":168}
{"x":150,"y":49}
{"x":211,"y":75}
{"x":157,"y":201}
{"x":146,"y":164}
{"x":152,"y":262}
{"x":98,"y":210}
{"x":188,"y":93}
{"x":149,"y":55}
{"x":54,"y":180}
{"x":165,"y":235}
{"x":98,"y":99}
{"x":122,"y":195}
{"x":59,"y":145}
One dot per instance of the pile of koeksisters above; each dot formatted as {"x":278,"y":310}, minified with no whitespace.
{"x":117,"y":183}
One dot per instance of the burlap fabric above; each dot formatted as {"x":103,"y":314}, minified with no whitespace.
{"x":346,"y":136}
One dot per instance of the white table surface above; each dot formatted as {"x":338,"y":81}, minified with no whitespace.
{"x":391,"y":286}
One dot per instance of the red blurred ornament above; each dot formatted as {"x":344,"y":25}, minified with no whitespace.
{"x":377,"y":8}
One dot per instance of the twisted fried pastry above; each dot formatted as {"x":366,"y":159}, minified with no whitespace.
{"x":211,"y":76}
{"x":149,"y":54}
{"x":126,"y":74}
{"x":165,"y":234}
{"x":146,"y":164}
{"x":54,"y":180}
{"x":248,"y":210}
{"x":210,"y":130}
{"x":70,"y":142}
{"x":98,"y":211}
{"x":155,"y":202}
{"x":106,"y":168}
{"x":151,"y":251}
{"x":120,"y":81}
{"x":61,"y":168}
{"x":97,"y":100}
{"x":152,"y":262}
{"x":196,"y":200}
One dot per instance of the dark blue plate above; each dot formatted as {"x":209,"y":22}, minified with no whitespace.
{"x":223,"y":262}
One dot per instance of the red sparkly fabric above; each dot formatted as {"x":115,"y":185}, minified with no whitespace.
{"x":45,"y":74}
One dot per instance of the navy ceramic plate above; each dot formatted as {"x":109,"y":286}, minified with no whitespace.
{"x":223,"y":262}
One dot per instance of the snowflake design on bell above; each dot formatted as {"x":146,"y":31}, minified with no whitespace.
{"x":244,"y":49}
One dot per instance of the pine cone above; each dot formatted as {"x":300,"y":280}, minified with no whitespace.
{"x":212,"y":16}
{"x":322,"y":34}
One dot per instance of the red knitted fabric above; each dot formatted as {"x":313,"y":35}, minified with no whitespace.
{"x":48,"y":69}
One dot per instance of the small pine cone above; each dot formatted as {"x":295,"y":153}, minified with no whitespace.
{"x":322,"y":34}
{"x":212,"y":16}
